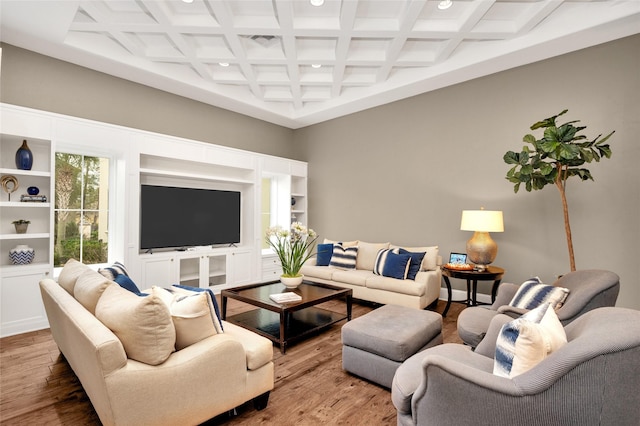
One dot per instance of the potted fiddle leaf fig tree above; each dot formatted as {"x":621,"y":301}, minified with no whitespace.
{"x":559,"y":154}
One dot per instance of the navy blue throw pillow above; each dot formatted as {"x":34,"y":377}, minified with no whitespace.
{"x":127,"y":283}
{"x":416,"y":261}
{"x":396,"y":266}
{"x":325,"y":251}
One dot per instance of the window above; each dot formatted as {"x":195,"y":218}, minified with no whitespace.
{"x":81,"y":208}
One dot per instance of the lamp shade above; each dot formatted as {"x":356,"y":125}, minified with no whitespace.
{"x":482,"y":221}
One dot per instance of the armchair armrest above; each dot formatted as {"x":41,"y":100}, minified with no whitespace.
{"x":258,"y":349}
{"x":505,"y":293}
{"x":512,"y":311}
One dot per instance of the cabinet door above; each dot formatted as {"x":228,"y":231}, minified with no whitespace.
{"x":271,"y":268}
{"x":161,"y":271}
{"x":241,"y":267}
{"x":20,"y":301}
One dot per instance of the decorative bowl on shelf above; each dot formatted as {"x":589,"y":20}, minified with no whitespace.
{"x":21,"y":255}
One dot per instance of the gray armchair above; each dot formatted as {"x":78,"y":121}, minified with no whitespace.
{"x":588,"y":289}
{"x":592,"y":380}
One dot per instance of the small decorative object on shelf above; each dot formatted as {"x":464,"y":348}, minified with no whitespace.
{"x":21,"y":255}
{"x":33,"y":190}
{"x":24,"y":157}
{"x":9,"y":184}
{"x":33,"y":198}
{"x":293,"y":247}
{"x":21,"y":226}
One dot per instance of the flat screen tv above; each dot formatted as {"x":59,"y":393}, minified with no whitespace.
{"x":183,"y":217}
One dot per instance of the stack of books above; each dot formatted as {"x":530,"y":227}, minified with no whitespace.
{"x":33,"y":198}
{"x":285,"y":297}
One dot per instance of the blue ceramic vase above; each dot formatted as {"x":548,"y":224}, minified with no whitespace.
{"x":24,"y":157}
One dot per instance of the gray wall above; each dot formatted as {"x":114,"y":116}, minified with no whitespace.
{"x":40,"y":82}
{"x":403,"y":172}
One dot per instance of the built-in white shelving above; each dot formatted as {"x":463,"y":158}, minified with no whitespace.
{"x":20,"y":300}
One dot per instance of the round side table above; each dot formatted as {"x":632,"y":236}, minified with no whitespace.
{"x":492,"y":273}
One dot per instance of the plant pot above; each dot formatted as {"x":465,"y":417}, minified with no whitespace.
{"x":291,"y":282}
{"x":21,"y":228}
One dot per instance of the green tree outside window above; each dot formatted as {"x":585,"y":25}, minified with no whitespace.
{"x":81,"y":208}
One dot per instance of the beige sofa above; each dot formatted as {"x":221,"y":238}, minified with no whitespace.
{"x":417,"y":293}
{"x":190,"y":386}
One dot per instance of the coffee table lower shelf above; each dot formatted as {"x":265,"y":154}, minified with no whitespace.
{"x":297,"y":324}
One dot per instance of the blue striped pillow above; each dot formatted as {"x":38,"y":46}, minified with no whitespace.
{"x":344,"y":257}
{"x":391,"y":264}
{"x":532,"y":293}
{"x":527,"y":340}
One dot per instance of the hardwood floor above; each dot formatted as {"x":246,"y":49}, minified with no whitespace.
{"x":38,"y":387}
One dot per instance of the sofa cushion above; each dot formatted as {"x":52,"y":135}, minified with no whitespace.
{"x":392,"y":265}
{"x":525,"y":341}
{"x":354,"y":277}
{"x":321,"y":272}
{"x":192,"y":314}
{"x":70,"y":273}
{"x":143,"y":324}
{"x":353,"y":243}
{"x":430,"y":260}
{"x":416,"y":262}
{"x":413,"y":288}
{"x":532,"y":293}
{"x":324,"y":253}
{"x":89,"y":288}
{"x":344,"y":257}
{"x":367,"y":253}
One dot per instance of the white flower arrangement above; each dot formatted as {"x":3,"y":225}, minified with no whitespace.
{"x":293,"y":246}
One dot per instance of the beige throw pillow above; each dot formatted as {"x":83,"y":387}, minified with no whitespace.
{"x":342,"y":243}
{"x":192,"y":315}
{"x":89,"y":287}
{"x":430,"y":260}
{"x":70,"y":273}
{"x":142,"y":323}
{"x":367,"y":254}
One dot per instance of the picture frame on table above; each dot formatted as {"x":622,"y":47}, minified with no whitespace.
{"x":458,"y":258}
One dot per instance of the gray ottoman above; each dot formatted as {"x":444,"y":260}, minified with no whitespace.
{"x":374,"y":345}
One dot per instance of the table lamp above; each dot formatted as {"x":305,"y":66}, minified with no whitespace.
{"x":481,"y":249}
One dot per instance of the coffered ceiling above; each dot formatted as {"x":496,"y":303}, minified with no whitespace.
{"x":295,"y":64}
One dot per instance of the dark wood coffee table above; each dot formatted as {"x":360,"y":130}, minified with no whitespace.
{"x":283,"y":323}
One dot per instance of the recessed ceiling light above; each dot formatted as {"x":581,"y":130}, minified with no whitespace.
{"x":223,"y":64}
{"x":316,"y":2}
{"x":187,"y":1}
{"x":445,"y":4}
{"x":315,"y":65}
